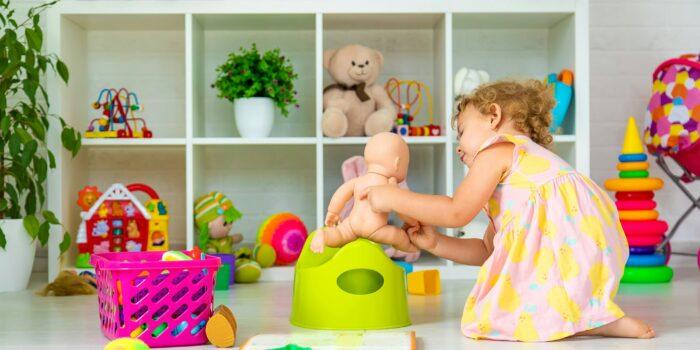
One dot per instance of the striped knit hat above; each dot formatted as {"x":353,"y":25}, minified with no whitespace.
{"x":209,"y":207}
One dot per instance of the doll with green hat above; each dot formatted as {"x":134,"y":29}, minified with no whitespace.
{"x":214,"y":215}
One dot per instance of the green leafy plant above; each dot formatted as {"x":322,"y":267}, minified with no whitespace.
{"x":24,"y":124}
{"x":250,"y":74}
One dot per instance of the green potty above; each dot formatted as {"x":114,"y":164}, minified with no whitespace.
{"x":356,"y":287}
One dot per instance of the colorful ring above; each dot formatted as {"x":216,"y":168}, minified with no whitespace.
{"x":633,"y":174}
{"x":638,"y":215}
{"x":634,"y":157}
{"x":634,"y":185}
{"x":644,"y":228}
{"x":635,"y":205}
{"x":644,"y":240}
{"x":642,"y":250}
{"x":632,"y":166}
{"x":656,"y":274}
{"x":656,"y":259}
{"x":624,"y":195}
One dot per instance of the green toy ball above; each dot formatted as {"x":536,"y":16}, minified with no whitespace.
{"x":264,"y":254}
{"x":126,"y":344}
{"x":247,"y":271}
{"x":243,"y":253}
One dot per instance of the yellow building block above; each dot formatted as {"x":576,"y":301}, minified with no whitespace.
{"x":425,"y":282}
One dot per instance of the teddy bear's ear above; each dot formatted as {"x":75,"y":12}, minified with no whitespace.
{"x":380,"y":57}
{"x":327,"y":55}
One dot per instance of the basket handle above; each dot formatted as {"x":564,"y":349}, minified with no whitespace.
{"x":688,"y":60}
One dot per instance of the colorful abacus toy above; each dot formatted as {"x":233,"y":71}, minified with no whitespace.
{"x":118,"y":118}
{"x":638,"y":215}
{"x":410,"y":106}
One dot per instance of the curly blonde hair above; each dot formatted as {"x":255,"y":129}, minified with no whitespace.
{"x":528,"y":104}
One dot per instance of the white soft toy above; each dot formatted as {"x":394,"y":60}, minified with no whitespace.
{"x":466,"y":80}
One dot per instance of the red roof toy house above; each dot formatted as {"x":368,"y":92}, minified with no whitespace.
{"x":116,"y":221}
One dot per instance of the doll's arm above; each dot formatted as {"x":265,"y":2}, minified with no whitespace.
{"x":341,"y":196}
{"x":438,"y":210}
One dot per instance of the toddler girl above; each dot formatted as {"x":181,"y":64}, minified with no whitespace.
{"x":554,"y":252}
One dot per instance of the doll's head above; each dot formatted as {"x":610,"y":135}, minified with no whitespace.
{"x":387,"y":154}
{"x":214,"y":215}
{"x":503,"y":107}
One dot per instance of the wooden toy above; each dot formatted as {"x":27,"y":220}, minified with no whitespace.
{"x":118,"y":118}
{"x":334,"y":340}
{"x":425,"y":282}
{"x":222,"y":327}
{"x":410,"y":106}
{"x":116,"y":221}
{"x":286,"y":233}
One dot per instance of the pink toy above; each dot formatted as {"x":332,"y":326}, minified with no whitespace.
{"x":286,"y":233}
{"x":635,"y":205}
{"x":163,"y":303}
{"x":644,"y":228}
{"x":644,"y":241}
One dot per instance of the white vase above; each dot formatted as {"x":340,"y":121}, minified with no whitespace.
{"x":254,"y":116}
{"x":17,"y":259}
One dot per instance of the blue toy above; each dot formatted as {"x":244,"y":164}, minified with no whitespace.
{"x":563,"y":85}
{"x":657,"y":259}
{"x":634,"y":157}
{"x":408,"y":267}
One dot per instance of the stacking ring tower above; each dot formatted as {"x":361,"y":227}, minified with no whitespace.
{"x":638,"y":215}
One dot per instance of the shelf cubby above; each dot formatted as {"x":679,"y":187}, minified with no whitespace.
{"x":214,"y":36}
{"x":260,"y":180}
{"x":143,"y":53}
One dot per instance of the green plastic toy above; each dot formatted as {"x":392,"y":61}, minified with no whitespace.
{"x":356,"y":287}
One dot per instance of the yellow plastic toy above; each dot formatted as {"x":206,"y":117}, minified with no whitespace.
{"x":126,"y":344}
{"x":632,"y":143}
{"x":634,"y":185}
{"x":355,"y":287}
{"x":638,"y":215}
{"x":632,"y":166}
{"x":426,"y":282}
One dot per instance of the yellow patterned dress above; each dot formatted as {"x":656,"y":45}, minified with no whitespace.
{"x":559,"y":253}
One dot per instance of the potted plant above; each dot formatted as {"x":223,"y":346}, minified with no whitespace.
{"x":256,"y":83}
{"x":26,"y":158}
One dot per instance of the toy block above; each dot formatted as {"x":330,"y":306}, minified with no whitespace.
{"x":426,"y":282}
{"x":221,"y":328}
{"x":632,"y":143}
{"x":402,"y":130}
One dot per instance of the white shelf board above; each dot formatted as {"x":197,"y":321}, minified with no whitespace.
{"x":254,"y":141}
{"x":169,"y":141}
{"x":363,"y":140}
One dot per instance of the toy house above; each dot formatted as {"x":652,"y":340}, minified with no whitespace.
{"x":116,"y":221}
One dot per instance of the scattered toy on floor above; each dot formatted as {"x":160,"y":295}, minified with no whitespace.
{"x":221,"y":327}
{"x":68,"y":282}
{"x":425,"y":282}
{"x":126,"y":344}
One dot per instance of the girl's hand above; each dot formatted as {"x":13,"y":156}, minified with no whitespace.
{"x":423,"y":237}
{"x":377,"y":197}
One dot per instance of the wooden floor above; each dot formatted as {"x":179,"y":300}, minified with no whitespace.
{"x":31,"y":322}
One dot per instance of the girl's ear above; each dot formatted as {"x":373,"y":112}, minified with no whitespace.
{"x":496,"y":116}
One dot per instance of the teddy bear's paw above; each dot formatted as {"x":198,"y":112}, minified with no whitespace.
{"x":379,"y":121}
{"x":334,"y":123}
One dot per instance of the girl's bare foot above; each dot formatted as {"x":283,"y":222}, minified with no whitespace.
{"x":625,"y":327}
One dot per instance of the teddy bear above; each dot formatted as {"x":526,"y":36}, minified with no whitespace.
{"x":354,"y":105}
{"x":466,"y":80}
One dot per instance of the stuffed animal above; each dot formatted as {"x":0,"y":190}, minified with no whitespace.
{"x":354,"y":105}
{"x":466,"y":80}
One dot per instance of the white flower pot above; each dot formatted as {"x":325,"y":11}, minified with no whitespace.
{"x":254,"y":116}
{"x":17,"y":259}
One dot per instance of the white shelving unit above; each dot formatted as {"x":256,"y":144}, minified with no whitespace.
{"x":167,"y":52}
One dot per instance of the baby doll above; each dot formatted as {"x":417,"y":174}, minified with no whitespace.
{"x":386,"y":156}
{"x":214,"y":215}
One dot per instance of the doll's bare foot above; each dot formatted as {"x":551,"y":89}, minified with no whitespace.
{"x":625,"y":327}
{"x":318,"y":242}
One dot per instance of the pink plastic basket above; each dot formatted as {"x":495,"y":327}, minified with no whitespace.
{"x":163,"y":303}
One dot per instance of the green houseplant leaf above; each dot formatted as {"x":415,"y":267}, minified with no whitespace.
{"x":24,"y":124}
{"x":248,"y":73}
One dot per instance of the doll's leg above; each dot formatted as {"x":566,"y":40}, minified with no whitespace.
{"x":396,"y":237}
{"x":332,"y":236}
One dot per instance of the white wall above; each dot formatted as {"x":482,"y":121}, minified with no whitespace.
{"x":628,"y":40}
